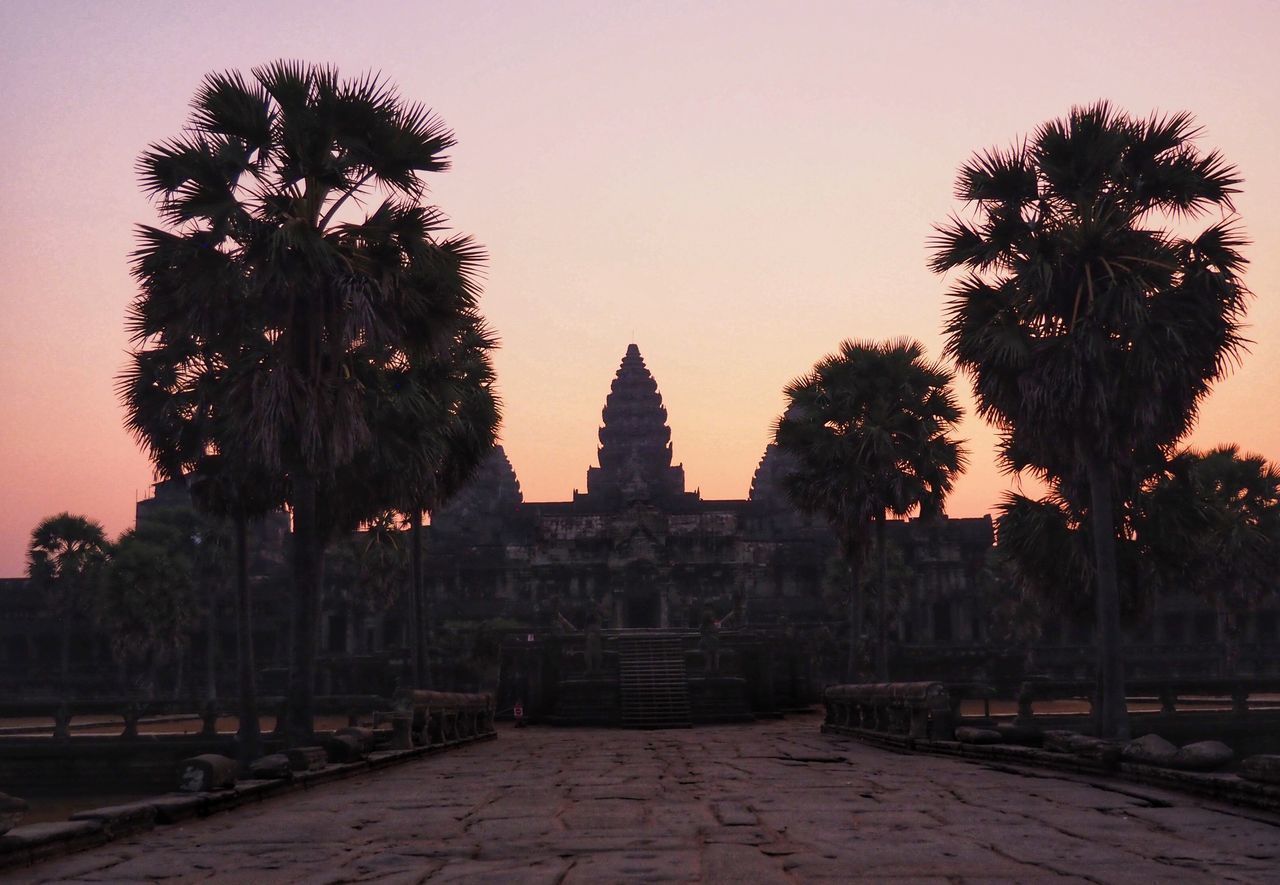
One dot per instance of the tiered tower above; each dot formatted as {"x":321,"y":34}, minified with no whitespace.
{"x":635,"y":442}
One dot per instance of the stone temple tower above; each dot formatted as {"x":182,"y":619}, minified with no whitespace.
{"x":635,"y":443}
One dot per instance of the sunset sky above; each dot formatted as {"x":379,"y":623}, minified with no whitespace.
{"x":734,"y":186}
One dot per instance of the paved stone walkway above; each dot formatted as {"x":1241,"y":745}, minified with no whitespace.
{"x":773,"y":802}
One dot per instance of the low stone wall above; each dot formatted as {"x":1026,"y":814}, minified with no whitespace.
{"x":449,"y":721}
{"x":62,"y":762}
{"x":1225,"y":787}
{"x":64,"y":767}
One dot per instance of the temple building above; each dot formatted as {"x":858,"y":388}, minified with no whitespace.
{"x":637,"y":549}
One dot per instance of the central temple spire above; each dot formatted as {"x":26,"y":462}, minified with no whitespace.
{"x":635,"y":442}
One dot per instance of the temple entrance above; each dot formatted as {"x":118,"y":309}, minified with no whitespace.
{"x":642,"y":610}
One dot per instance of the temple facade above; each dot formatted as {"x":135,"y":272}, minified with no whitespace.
{"x":637,"y":549}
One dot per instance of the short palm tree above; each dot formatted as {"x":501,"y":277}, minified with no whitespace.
{"x":1090,"y":331}
{"x":869,"y":434}
{"x":274,"y":296}
{"x":65,"y":558}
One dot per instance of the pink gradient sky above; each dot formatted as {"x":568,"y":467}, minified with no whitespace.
{"x":734,"y":186}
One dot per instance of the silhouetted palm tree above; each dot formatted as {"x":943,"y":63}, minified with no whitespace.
{"x":279,"y":298}
{"x":868,"y":432}
{"x":1210,"y":523}
{"x":1091,"y":333}
{"x":147,"y":601}
{"x":1045,"y":560}
{"x":435,"y":424}
{"x":173,"y":392}
{"x":380,"y":556}
{"x":65,"y":558}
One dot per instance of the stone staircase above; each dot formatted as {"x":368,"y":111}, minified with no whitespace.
{"x":655,"y":691}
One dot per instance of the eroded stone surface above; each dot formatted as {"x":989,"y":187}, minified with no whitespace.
{"x":771,"y":802}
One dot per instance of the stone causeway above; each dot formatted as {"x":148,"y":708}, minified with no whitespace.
{"x":776,"y":801}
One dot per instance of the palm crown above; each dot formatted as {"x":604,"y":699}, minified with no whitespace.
{"x":869,"y":429}
{"x":1080,"y":316}
{"x":261,"y":301}
{"x":63,"y":554}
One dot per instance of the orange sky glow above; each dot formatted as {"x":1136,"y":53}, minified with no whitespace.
{"x":736,"y":187}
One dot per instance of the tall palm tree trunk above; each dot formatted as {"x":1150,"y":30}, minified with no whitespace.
{"x":179,"y":666}
{"x":428,"y":607}
{"x":421,"y":660}
{"x":1112,"y":714}
{"x":249,"y":735}
{"x":855,"y":618}
{"x":210,"y":640}
{"x":1229,"y":631}
{"x":307,"y":565}
{"x":64,"y":655}
{"x":882,"y":607}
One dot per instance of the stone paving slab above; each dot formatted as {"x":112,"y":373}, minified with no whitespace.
{"x":772,"y":802}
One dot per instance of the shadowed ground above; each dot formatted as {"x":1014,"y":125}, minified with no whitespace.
{"x":772,"y":802}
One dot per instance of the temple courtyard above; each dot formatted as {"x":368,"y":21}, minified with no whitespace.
{"x":771,"y":802}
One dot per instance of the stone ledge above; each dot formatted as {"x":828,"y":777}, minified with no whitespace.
{"x":117,"y":819}
{"x":1211,"y":785}
{"x":25,"y":845}
{"x":36,"y":842}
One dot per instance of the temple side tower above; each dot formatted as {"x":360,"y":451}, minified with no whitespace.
{"x":768,"y":487}
{"x":481,"y":508}
{"x":635,"y":442}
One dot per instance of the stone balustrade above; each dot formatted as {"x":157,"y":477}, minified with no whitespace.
{"x":132,"y":711}
{"x":1168,"y":693}
{"x":915,"y":709}
{"x":130,"y":748}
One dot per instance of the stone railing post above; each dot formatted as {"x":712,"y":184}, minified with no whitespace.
{"x":402,"y":731}
{"x":942,"y":727}
{"x":278,"y":730}
{"x":1026,"y":705}
{"x":209,"y":719}
{"x":1168,"y":700}
{"x":62,"y":722}
{"x":918,"y":727}
{"x":132,"y":713}
{"x":1239,"y":700}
